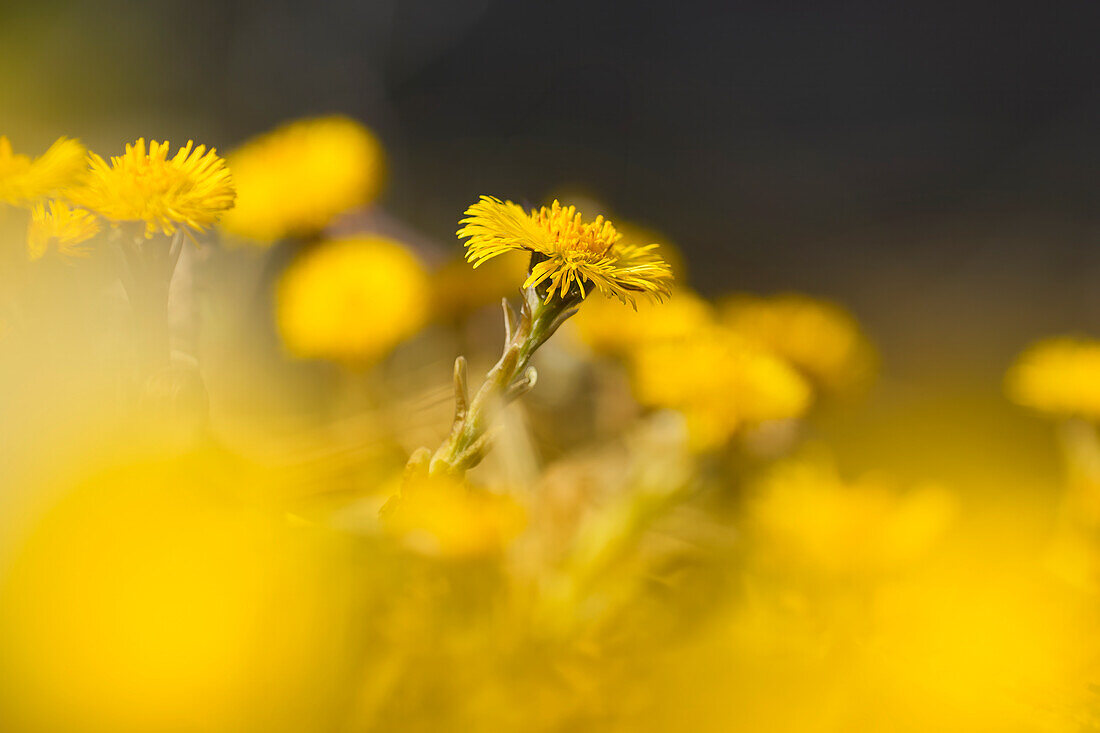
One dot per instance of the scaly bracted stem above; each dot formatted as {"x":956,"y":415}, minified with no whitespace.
{"x":511,"y":377}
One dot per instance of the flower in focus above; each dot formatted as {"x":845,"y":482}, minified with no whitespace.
{"x":296,"y":179}
{"x":1059,"y":376}
{"x":607,"y":330}
{"x":192,"y":189}
{"x":819,"y":338}
{"x":24,"y":180}
{"x":351,"y":300}
{"x":720,"y":382}
{"x":567,"y":250}
{"x":808,"y":517}
{"x":442,"y":515}
{"x":66,"y":227}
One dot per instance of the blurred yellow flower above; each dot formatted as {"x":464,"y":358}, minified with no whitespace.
{"x":606,"y":329}
{"x":808,"y":517}
{"x":457,"y":289}
{"x":566,"y":250}
{"x":297,"y":178}
{"x":68,"y":228}
{"x":1058,"y":376}
{"x":442,"y":515}
{"x":351,"y":300}
{"x":720,"y":382}
{"x":24,"y":180}
{"x":819,"y":338}
{"x":192,"y":189}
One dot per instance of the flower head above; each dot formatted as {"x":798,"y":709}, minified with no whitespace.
{"x":719,"y":381}
{"x":351,"y":300}
{"x":568,"y":251}
{"x":192,"y":189}
{"x":66,"y":227}
{"x":1058,"y":376}
{"x":24,"y":180}
{"x":821,"y":339}
{"x":296,"y":179}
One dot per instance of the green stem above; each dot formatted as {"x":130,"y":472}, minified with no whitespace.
{"x":509,"y":378}
{"x":148,"y":280}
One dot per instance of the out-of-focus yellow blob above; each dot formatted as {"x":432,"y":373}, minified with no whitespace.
{"x":438,"y":515}
{"x":608,"y":329}
{"x":147,"y":600}
{"x":1058,"y":376}
{"x":458,"y":289}
{"x":67,"y":228}
{"x":719,"y":381}
{"x":296,"y":179}
{"x":820,"y":338}
{"x":351,"y":300}
{"x":808,"y":517}
{"x":974,"y":649}
{"x":24,"y":180}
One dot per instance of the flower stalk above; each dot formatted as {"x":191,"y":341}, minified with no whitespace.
{"x":148,"y":281}
{"x":510,"y":378}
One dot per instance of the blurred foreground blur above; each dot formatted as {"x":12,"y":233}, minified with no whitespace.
{"x":688,"y":521}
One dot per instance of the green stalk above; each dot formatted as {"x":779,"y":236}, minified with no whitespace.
{"x":511,"y":377}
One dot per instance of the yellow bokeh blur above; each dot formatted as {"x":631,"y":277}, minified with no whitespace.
{"x":351,"y":300}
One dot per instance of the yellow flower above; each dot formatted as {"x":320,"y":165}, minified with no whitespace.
{"x":69,"y":228}
{"x":442,"y":515}
{"x":1059,"y":376}
{"x":351,"y":300}
{"x":567,"y":250}
{"x":821,"y":339}
{"x":192,"y":189}
{"x":296,"y":179}
{"x":808,"y":517}
{"x":23,"y":180}
{"x":606,"y":329}
{"x":719,"y":381}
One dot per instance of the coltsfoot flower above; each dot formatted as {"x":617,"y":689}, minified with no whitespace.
{"x":296,"y":179}
{"x":351,"y":300}
{"x":720,"y":381}
{"x":1058,"y":376}
{"x":65,"y":227}
{"x":568,"y":251}
{"x":24,"y":180}
{"x":190,"y":190}
{"x":819,"y":338}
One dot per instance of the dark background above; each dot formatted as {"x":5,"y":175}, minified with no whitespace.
{"x":932,"y":165}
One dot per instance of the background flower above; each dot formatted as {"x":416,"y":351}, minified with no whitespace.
{"x":351,"y":300}
{"x":296,"y":179}
{"x":65,"y":227}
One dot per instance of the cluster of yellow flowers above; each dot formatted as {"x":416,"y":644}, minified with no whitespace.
{"x":67,"y":188}
{"x":638,"y":519}
{"x":747,"y":361}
